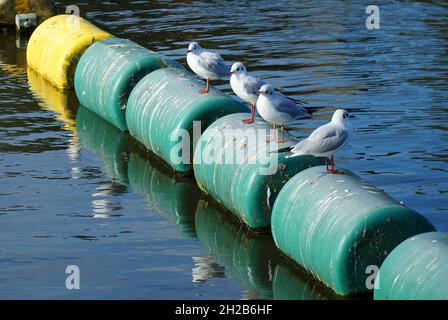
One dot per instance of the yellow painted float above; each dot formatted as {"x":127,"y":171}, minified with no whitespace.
{"x":57,"y":44}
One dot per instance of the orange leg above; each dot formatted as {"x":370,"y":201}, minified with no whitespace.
{"x":333,"y":170}
{"x":326,"y":164}
{"x":252,"y":113}
{"x":332,"y":165}
{"x":282,"y":135}
{"x":206,"y":88}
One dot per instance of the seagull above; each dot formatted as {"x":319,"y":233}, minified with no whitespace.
{"x":206,"y":64}
{"x":278,"y":109}
{"x":325,"y":140}
{"x":245,"y":86}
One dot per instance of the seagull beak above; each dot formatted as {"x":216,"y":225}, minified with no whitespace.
{"x":257,"y":93}
{"x":188,"y":51}
{"x":229,"y":73}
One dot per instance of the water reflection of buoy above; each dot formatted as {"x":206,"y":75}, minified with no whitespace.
{"x":126,"y":163}
{"x":172,"y":196}
{"x":12,"y":59}
{"x":248,"y":257}
{"x":288,"y":284}
{"x":63,"y":104}
{"x":110,"y":145}
{"x":251,"y":258}
{"x":108,"y":142}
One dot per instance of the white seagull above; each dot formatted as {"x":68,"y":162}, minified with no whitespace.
{"x":325,"y":140}
{"x":245,"y":86}
{"x":206,"y":64}
{"x":278,"y":109}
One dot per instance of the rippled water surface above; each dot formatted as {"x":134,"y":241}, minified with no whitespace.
{"x":74,"y":190}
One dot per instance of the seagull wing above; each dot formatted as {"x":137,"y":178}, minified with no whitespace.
{"x":299,"y":102}
{"x":252,"y":84}
{"x":214,"y":62}
{"x":327,"y":138}
{"x":288,"y":106}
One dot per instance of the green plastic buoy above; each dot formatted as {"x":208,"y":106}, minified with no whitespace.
{"x":339,"y":227}
{"x":162,"y":109}
{"x":416,"y":270}
{"x":236,"y":164}
{"x":108,"y":71}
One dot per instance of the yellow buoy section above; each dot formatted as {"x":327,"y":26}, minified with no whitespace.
{"x":57,"y":44}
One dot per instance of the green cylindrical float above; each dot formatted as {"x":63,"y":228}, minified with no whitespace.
{"x":236,"y":164}
{"x":162,"y":108}
{"x":248,"y":257}
{"x":108,"y":142}
{"x":416,"y":270}
{"x":337,"y":225}
{"x":108,"y":71}
{"x":169,"y":195}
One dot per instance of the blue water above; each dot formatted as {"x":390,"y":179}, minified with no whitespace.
{"x":89,"y":195}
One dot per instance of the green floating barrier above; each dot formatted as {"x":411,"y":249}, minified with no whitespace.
{"x":250,"y":258}
{"x":233,"y":163}
{"x":108,"y":71}
{"x":416,"y":270}
{"x":161,"y":111}
{"x":171,"y":196}
{"x":336,"y":226}
{"x":108,"y":142}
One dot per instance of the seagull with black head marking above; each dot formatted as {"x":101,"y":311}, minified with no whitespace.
{"x":245,"y":86}
{"x":278,"y":109}
{"x":325,"y":140}
{"x":206,"y":64}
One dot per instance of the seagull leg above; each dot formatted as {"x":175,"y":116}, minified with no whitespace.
{"x":332,"y":165}
{"x":252,"y":113}
{"x":275,"y":129}
{"x":326,"y":164}
{"x":206,"y":88}
{"x":333,"y":171}
{"x":272,"y":138}
{"x":282,"y":135}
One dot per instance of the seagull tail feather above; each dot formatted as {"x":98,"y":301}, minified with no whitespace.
{"x":283,"y":150}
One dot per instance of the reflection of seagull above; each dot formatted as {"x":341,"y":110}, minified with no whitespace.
{"x":206,"y":64}
{"x":245,"y":86}
{"x":205,"y":268}
{"x":325,"y":140}
{"x":278,"y":109}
